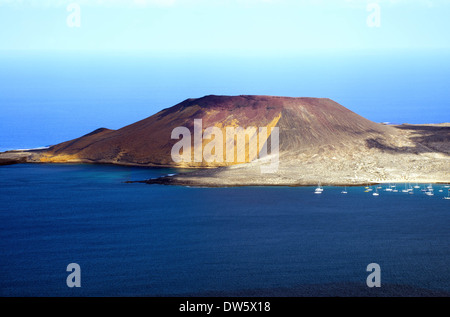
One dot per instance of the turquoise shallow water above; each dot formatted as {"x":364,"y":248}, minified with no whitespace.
{"x":137,"y":239}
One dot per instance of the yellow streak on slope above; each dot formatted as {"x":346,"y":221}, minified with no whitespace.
{"x":234,"y":123}
{"x":63,"y":158}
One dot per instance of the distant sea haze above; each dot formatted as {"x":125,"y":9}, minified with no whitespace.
{"x":50,"y":97}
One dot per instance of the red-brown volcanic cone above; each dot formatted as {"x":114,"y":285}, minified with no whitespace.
{"x":303,"y":123}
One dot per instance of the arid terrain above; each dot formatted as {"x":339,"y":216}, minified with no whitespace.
{"x":319,"y":141}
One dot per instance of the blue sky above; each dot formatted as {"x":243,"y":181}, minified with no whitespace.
{"x":227,"y":26}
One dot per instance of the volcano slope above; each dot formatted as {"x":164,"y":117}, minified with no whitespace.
{"x":319,"y":141}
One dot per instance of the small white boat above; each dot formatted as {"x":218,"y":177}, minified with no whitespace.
{"x":376,"y":192}
{"x":344,"y":191}
{"x":429,"y":193}
{"x":319,"y":189}
{"x":407,"y":189}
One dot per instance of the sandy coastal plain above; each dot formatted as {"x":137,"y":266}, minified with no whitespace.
{"x":359,"y":164}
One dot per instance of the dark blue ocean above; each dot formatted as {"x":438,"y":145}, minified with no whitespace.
{"x":155,"y":240}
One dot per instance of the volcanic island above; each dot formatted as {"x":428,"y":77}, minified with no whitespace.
{"x":317,"y":140}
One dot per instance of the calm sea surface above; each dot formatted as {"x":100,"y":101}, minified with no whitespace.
{"x":137,"y":239}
